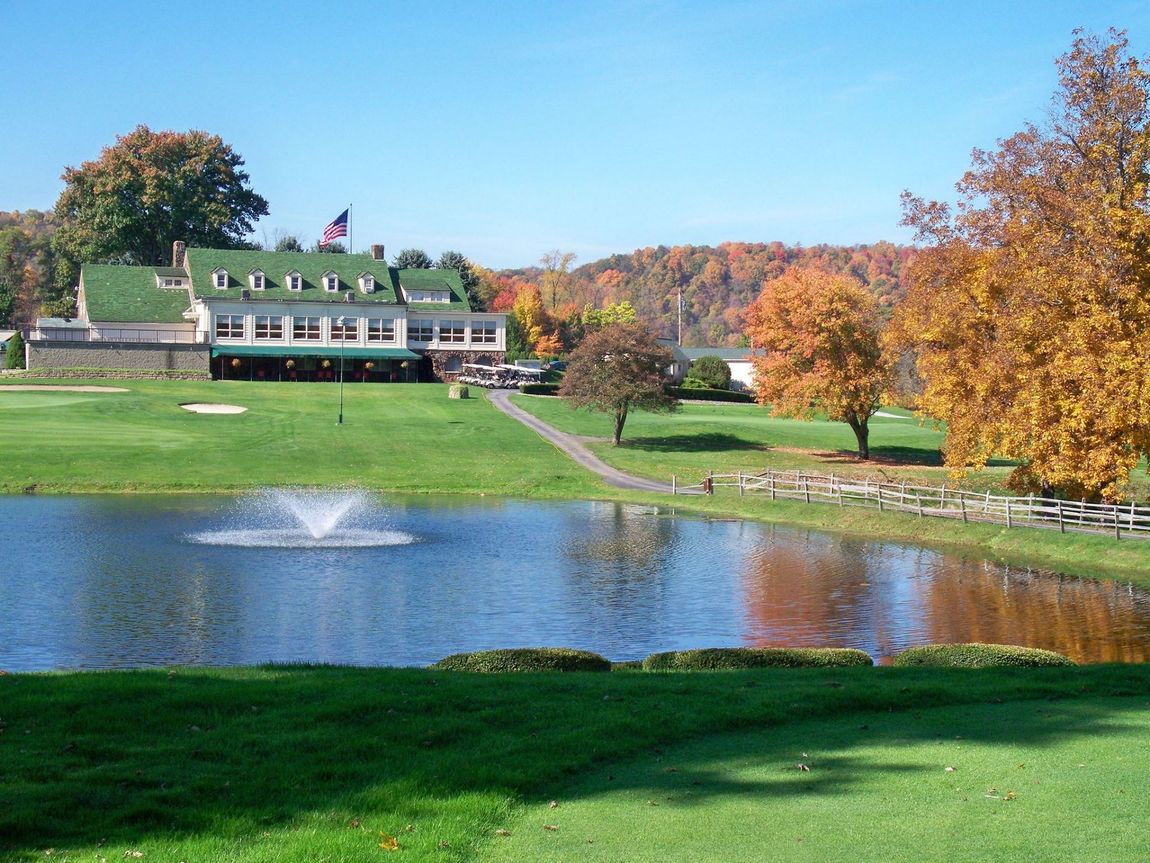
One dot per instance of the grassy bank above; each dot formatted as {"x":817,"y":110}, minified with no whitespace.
{"x":415,"y":439}
{"x":324,"y":763}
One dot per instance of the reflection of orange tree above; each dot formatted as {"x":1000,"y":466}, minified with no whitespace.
{"x":801,"y":595}
{"x":1081,"y":618}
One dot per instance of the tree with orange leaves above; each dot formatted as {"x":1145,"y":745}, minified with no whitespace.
{"x":1029,"y":311}
{"x":819,"y":340}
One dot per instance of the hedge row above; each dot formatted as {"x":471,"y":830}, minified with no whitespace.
{"x":732,"y":658}
{"x":706,"y":395}
{"x":978,"y":656}
{"x":539,"y":389}
{"x":724,"y":658}
{"x":524,"y":659}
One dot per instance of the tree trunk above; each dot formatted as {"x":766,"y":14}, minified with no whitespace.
{"x":862,"y":435}
{"x":620,"y":418}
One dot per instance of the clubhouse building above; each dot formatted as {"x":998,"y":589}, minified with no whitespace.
{"x":255,"y":315}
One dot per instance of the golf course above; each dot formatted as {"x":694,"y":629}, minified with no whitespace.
{"x":289,"y":762}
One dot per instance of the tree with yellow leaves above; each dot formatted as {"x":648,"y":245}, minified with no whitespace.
{"x":1029,"y":312}
{"x":819,"y":337}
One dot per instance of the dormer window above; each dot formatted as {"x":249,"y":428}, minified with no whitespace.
{"x":330,"y":281}
{"x":428,"y":296}
{"x":220,"y":278}
{"x":367,"y":283}
{"x":294,"y":280}
{"x":256,"y":280}
{"x":169,"y":282}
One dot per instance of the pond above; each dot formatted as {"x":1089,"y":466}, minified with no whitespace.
{"x":138,"y":581}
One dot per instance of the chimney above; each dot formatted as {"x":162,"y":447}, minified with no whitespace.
{"x":179,"y":247}
{"x":377,"y":252}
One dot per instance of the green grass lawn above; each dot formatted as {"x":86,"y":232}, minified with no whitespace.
{"x":402,"y":438}
{"x":728,"y":438}
{"x":308,"y":764}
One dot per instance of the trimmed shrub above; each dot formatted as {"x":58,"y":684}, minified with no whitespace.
{"x":979,"y":656}
{"x":524,"y":659}
{"x":539,"y":389}
{"x":724,"y":658}
{"x":14,"y":357}
{"x":690,"y":394}
{"x":690,"y":383}
{"x":712,"y":371}
{"x":458,"y":391}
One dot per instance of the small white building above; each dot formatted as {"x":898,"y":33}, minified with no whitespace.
{"x":737,"y":359}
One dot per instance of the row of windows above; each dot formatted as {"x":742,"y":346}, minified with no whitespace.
{"x":293,"y":281}
{"x":308,"y":329}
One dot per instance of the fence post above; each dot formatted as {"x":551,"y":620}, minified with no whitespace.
{"x":1008,"y":524}
{"x":806,"y":490}
{"x":962,"y":506}
{"x":918,"y":498}
{"x":1117,"y":530}
{"x":1061,"y":523}
{"x":942,"y":497}
{"x":771,"y":482}
{"x":740,"y":483}
{"x":674,"y":485}
{"x":986,"y":506}
{"x":880,"y":497}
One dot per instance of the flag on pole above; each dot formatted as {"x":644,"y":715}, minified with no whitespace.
{"x":336,"y":228}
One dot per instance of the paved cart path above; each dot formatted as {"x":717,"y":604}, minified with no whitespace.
{"x":574,"y":447}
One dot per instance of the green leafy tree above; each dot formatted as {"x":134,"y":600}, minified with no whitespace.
{"x":517,"y":345}
{"x":289,"y":243}
{"x":412,"y":259}
{"x":712,"y":371}
{"x":14,"y":253}
{"x":14,"y":358}
{"x":456,"y":261}
{"x":148,"y":190}
{"x":616,"y":369}
{"x":333,"y":248}
{"x":555,"y":282}
{"x":612,"y":313}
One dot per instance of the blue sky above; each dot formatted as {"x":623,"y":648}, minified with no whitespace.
{"x":505,"y":130}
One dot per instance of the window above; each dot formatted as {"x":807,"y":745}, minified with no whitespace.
{"x":221,"y":278}
{"x":420,"y":331}
{"x":380,"y":330}
{"x":269,"y":327}
{"x":330,"y":282}
{"x":428,"y":296}
{"x":483,"y":332}
{"x":294,"y":281}
{"x":348,"y":331}
{"x":452,"y":332}
{"x":171,"y":283}
{"x":229,"y":326}
{"x":305,"y":329}
{"x":367,"y":283}
{"x":257,"y":281}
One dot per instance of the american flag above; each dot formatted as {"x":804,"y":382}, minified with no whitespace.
{"x":337,"y":228}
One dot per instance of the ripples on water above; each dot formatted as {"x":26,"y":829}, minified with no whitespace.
{"x":153,"y":581}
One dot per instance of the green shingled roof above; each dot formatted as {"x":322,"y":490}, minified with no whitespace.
{"x":434,"y":280}
{"x":130,"y":295}
{"x":312,"y":266}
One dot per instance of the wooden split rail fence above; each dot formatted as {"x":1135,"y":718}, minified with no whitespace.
{"x":1123,"y":520}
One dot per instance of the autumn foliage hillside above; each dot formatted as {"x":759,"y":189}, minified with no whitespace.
{"x":719,"y":282}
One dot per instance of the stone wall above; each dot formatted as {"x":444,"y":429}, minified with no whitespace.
{"x":144,"y":356}
{"x":439,"y":361}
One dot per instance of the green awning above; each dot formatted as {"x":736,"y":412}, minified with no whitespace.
{"x":313,"y":351}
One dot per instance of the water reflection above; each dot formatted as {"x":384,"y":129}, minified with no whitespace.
{"x":825,"y":591}
{"x":114,"y":582}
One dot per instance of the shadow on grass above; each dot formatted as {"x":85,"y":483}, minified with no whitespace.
{"x":117,"y":759}
{"x":709,"y":442}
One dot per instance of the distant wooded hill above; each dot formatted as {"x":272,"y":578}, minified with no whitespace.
{"x":719,"y":282}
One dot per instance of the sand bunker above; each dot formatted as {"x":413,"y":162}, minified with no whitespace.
{"x":204,"y":408}
{"x":65,"y":389}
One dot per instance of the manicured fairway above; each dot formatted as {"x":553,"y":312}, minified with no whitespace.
{"x":308,"y":764}
{"x":404,"y":438}
{"x":726,"y":438}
